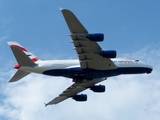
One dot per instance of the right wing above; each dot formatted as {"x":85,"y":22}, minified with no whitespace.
{"x":86,"y":49}
{"x":74,"y":89}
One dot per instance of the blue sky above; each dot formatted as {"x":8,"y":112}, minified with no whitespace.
{"x":130,"y":27}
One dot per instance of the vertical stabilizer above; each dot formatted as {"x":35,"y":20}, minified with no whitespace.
{"x":28,"y":53}
{"x":24,"y":58}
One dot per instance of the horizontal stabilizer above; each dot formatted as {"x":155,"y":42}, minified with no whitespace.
{"x":18,"y":75}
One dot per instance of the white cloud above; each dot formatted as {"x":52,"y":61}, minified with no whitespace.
{"x":127,"y":97}
{"x":3,"y":38}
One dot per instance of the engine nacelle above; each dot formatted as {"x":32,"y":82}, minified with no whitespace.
{"x":81,"y":97}
{"x":108,"y":54}
{"x":97,"y":37}
{"x":98,"y":88}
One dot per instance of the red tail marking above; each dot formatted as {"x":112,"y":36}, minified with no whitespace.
{"x":17,"y":66}
{"x":23,"y":49}
{"x":34,"y":59}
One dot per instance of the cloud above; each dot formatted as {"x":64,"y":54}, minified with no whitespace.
{"x":3,"y":38}
{"x":127,"y":96}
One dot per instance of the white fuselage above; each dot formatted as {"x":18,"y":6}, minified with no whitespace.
{"x":56,"y":65}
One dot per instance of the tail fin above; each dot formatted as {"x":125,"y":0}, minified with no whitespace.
{"x":24,"y":58}
{"x":29,"y":54}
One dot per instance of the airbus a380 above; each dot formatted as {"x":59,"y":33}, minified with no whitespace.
{"x":94,"y":65}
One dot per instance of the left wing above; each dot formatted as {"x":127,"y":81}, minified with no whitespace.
{"x":74,"y":89}
{"x":86,"y":49}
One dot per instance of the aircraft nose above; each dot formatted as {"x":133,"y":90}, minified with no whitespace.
{"x":149,"y":70}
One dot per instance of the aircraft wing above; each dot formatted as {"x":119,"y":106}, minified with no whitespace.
{"x":74,"y":89}
{"x":85,"y":48}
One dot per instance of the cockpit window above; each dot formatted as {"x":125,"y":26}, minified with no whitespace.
{"x":136,"y":60}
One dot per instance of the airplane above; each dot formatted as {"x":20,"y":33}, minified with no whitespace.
{"x":93,"y":66}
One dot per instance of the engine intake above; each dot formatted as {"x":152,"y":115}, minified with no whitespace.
{"x":81,"y":97}
{"x":97,"y":37}
{"x":98,"y":88}
{"x":108,"y":54}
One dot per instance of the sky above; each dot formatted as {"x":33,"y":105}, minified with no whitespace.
{"x":132,"y":28}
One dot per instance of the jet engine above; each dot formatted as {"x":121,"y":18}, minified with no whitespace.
{"x":97,"y":37}
{"x":81,"y":97}
{"x":108,"y":53}
{"x":98,"y":88}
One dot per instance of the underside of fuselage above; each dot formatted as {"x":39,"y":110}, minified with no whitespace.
{"x":91,"y":73}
